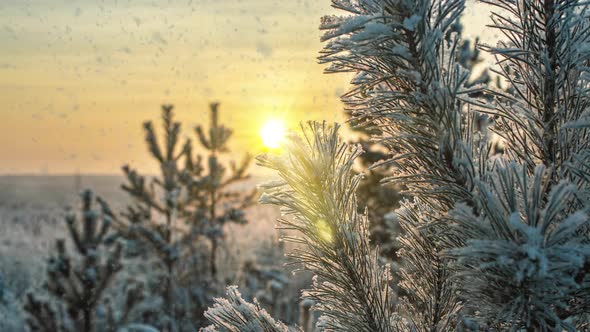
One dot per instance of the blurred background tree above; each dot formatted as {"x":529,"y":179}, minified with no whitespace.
{"x":76,"y":284}
{"x":181,"y":214}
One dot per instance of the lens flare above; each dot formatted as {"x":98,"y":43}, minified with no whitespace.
{"x":324,"y":230}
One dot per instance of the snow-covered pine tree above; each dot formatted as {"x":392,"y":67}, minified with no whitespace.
{"x":491,"y":242}
{"x":219,"y":204}
{"x":526,"y":264}
{"x":152,"y":218}
{"x":411,"y":83}
{"x":181,"y":214}
{"x":77,"y":284}
{"x":381,"y":200}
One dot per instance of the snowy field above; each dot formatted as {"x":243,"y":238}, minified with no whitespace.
{"x":32,"y":212}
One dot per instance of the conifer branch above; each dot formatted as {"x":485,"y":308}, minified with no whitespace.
{"x":234,"y":314}
{"x":411,"y":83}
{"x":524,"y":253}
{"x":317,"y":197}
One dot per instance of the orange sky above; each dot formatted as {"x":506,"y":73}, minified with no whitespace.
{"x":77,"y":78}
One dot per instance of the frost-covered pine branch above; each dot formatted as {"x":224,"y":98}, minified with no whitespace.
{"x":316,"y":194}
{"x":528,"y":245}
{"x":520,"y":267}
{"x":544,"y":116}
{"x":412,"y":82}
{"x":234,"y":314}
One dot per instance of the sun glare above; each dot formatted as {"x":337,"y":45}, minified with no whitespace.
{"x":273,"y":133}
{"x":324,"y":230}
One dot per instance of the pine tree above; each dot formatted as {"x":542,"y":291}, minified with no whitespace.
{"x":180,"y":210}
{"x":215,"y":184}
{"x":143,"y":226}
{"x":382,"y":200}
{"x":490,"y":241}
{"x":529,"y":243}
{"x":77,"y":283}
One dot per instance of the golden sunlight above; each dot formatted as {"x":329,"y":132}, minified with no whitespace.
{"x":273,"y":133}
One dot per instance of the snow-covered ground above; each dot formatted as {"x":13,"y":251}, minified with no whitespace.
{"x":31,"y":219}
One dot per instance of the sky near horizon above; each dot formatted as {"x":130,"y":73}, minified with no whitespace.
{"x":78,"y":77}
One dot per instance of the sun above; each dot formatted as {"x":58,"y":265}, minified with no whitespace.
{"x":273,"y":133}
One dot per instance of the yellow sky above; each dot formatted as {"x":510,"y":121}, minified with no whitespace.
{"x":77,"y":78}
